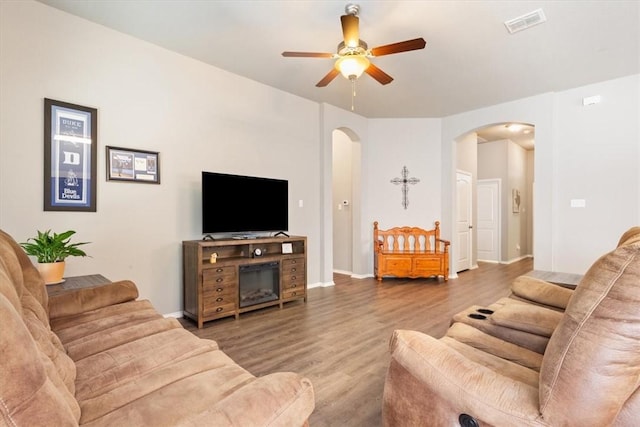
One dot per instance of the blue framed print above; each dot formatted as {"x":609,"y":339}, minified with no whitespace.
{"x":70,"y":147}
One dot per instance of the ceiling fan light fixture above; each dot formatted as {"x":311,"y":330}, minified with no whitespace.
{"x":352,"y":66}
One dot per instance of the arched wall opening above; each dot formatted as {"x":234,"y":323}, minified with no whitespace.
{"x":500,"y":157}
{"x":539,"y":111}
{"x":346,"y":203}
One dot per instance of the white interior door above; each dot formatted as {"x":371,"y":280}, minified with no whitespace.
{"x":488,"y":225}
{"x":463,"y":222}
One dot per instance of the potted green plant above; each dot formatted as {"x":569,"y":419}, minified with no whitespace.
{"x":50,"y":250}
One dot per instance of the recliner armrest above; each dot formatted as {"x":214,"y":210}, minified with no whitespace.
{"x":78,"y":301}
{"x":541,"y":292}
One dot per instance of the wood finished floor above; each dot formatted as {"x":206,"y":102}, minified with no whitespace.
{"x":339,"y":338}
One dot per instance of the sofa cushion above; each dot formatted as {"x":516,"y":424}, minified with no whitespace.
{"x":528,"y":318}
{"x":243,"y":407}
{"x":497,"y":364}
{"x":489,"y":344}
{"x":73,"y":328}
{"x":111,"y":368}
{"x":118,"y":336}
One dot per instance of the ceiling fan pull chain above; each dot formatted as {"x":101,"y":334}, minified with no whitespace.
{"x":353,"y":94}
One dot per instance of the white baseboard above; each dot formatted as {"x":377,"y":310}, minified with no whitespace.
{"x":176,"y":314}
{"x":321,"y":285}
{"x":511,"y":261}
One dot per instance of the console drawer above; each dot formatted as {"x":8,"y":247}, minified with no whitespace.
{"x":292,"y":265}
{"x":293,"y":293}
{"x":212,"y":307}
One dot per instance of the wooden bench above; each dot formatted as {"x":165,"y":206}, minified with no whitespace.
{"x":410,"y":252}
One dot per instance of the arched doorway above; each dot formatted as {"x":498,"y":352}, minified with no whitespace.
{"x":345,"y":208}
{"x":502,"y":152}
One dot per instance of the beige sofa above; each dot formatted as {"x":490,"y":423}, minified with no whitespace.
{"x":101,"y":357}
{"x":588,"y":374}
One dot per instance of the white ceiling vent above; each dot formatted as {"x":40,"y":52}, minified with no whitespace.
{"x":525,"y":21}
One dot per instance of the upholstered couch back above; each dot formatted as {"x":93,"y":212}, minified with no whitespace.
{"x":30,"y":350}
{"x":590,"y":372}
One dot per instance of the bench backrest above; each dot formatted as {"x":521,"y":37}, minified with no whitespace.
{"x":408,"y":239}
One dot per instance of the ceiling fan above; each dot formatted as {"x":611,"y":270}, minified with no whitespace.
{"x":352,"y":57}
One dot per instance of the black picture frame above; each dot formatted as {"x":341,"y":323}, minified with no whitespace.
{"x":132,"y":165}
{"x":70,"y":156}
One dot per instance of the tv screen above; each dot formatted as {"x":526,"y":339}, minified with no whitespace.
{"x":243,"y":204}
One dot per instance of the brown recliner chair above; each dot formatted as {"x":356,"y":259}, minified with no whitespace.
{"x":589,"y":374}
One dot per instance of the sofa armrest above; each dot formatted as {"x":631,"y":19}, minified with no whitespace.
{"x":528,"y":318}
{"x":541,"y":292}
{"x":78,"y":301}
{"x":428,"y":380}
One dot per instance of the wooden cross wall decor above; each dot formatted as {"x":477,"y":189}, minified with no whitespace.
{"x":404,"y":181}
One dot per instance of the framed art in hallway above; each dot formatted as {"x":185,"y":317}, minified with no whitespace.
{"x":70,"y":146}
{"x":515,"y":196}
{"x":125,"y":164}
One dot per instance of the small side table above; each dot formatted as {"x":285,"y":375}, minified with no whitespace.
{"x":566,"y":280}
{"x":77,"y":282}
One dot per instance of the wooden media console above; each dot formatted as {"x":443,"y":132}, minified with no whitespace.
{"x":226,"y":277}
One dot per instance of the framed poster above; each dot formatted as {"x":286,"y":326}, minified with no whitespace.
{"x":124,"y":164}
{"x":70,"y":146}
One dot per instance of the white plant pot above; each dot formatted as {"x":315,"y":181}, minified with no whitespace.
{"x":52,"y":273}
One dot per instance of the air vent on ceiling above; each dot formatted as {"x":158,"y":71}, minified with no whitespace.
{"x":525,"y":21}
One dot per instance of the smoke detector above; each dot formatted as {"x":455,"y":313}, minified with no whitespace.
{"x":525,"y":21}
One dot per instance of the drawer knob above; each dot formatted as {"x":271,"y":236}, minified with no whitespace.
{"x":219,"y":270}
{"x":294,"y":285}
{"x":219,"y":299}
{"x":293,"y":277}
{"x":219,"y":309}
{"x":219,"y":290}
{"x":293,"y":270}
{"x":293,"y":294}
{"x":220,"y":279}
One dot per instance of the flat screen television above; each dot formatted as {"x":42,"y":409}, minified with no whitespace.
{"x":239,"y":204}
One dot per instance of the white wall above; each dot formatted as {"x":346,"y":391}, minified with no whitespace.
{"x":581,"y":152}
{"x":198,"y":118}
{"x":394,"y":143}
{"x":597,"y":161}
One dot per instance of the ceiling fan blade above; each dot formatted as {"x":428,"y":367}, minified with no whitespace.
{"x":350,"y":30}
{"x":404,"y":46}
{"x":378,"y":74}
{"x":308,"y":54}
{"x":328,"y":78}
